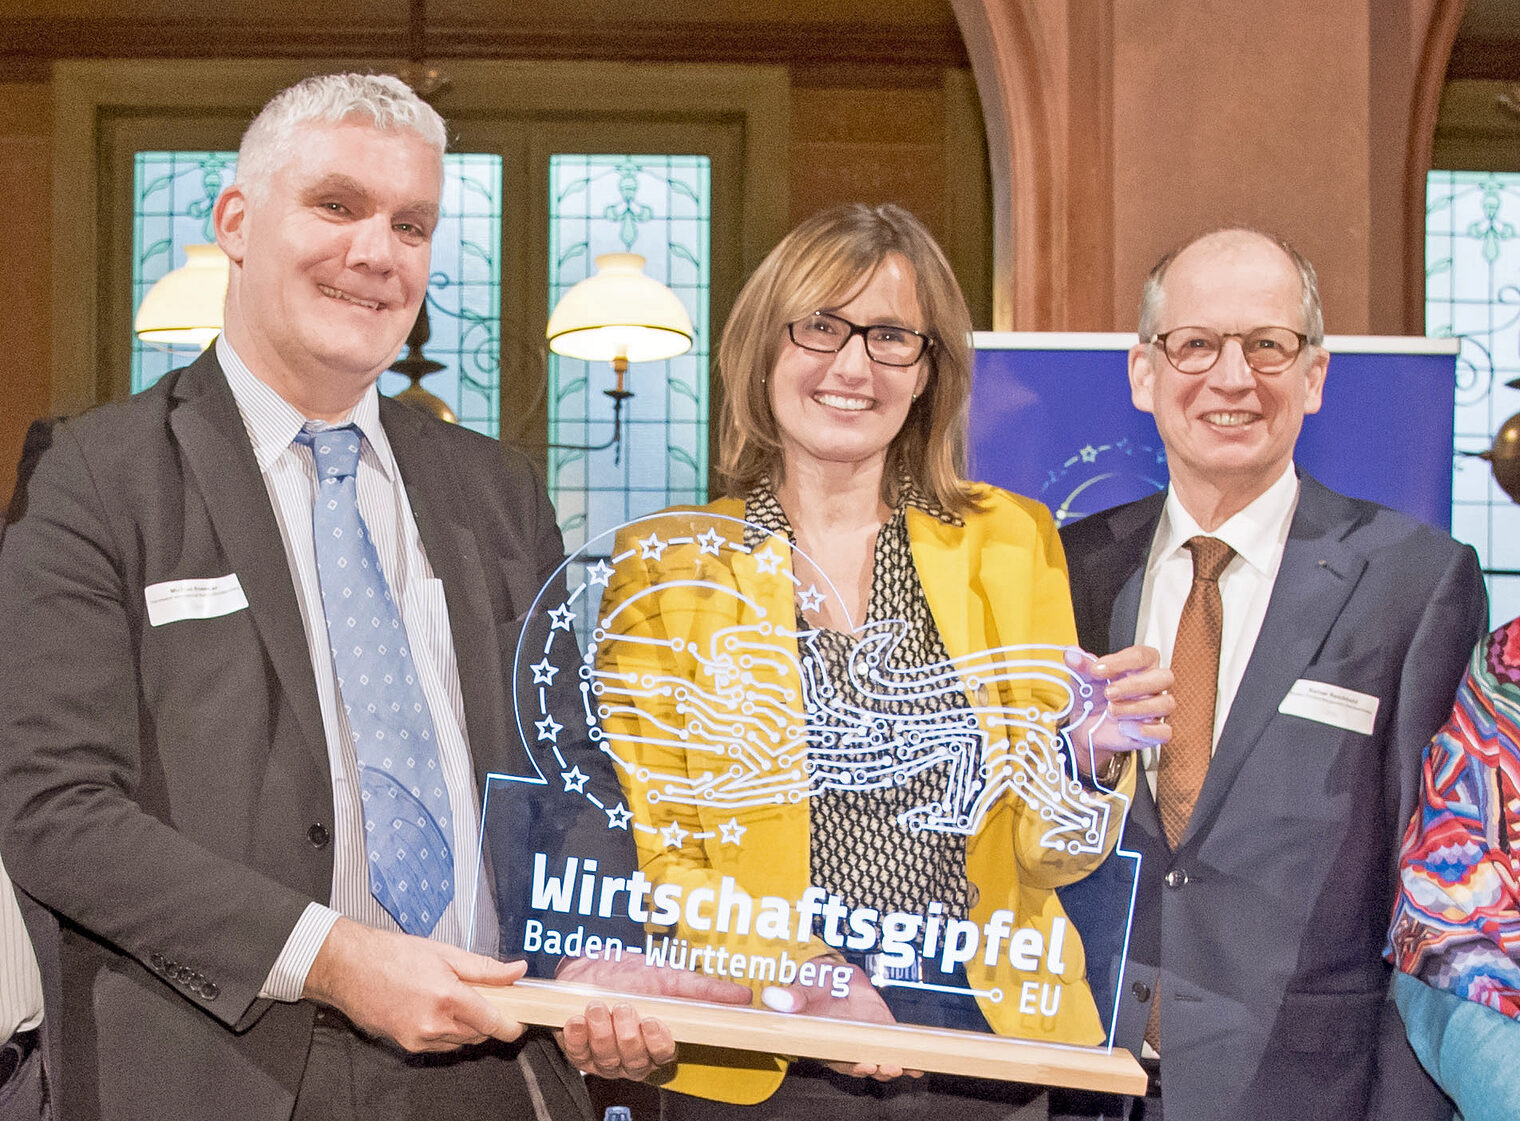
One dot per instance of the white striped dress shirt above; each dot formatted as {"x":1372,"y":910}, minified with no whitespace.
{"x":289,"y":473}
{"x":20,"y":983}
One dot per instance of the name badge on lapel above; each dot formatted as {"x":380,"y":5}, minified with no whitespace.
{"x":1331,"y":704}
{"x":207,"y":598}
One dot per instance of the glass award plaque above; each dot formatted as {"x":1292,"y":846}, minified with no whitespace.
{"x":855,"y":836}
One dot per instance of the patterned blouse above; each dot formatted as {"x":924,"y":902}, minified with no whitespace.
{"x":1456,"y":924}
{"x":864,"y":848}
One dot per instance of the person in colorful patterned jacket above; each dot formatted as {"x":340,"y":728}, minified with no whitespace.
{"x":1455,"y":937}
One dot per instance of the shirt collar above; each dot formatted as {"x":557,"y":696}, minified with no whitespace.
{"x":761,"y":507}
{"x":909,"y":495}
{"x":1257,"y":533}
{"x":273,"y":422}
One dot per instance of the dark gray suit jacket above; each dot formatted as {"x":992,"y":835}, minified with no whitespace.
{"x":1266,"y":926}
{"x":165,"y":790}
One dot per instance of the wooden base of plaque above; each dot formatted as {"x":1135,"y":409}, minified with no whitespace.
{"x":551,"y":1003}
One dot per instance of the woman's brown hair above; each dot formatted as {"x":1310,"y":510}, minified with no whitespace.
{"x":820,"y":265}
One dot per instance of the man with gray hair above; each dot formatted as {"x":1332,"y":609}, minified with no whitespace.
{"x":1317,"y":641}
{"x":229,"y":597}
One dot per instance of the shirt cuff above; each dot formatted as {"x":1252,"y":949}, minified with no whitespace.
{"x":287,"y":977}
{"x":1116,"y":765}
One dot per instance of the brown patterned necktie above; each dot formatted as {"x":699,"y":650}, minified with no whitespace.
{"x":1195,"y":664}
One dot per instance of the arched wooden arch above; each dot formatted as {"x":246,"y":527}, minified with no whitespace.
{"x":1430,"y":77}
{"x":1045,"y":74}
{"x":1048,"y":113}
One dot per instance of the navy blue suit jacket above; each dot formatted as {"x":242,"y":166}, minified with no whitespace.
{"x":1263,"y":931}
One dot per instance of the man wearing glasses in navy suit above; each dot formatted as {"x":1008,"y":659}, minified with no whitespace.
{"x":1317,"y":642}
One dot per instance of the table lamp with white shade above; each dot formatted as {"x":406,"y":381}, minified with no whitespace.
{"x":618,"y":315}
{"x":184,"y":307}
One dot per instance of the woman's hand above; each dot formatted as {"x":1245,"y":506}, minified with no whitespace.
{"x":610,"y":1038}
{"x":1131,"y":702}
{"x":861,"y":1002}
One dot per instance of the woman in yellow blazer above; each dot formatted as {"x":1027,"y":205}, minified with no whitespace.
{"x":843,"y":459}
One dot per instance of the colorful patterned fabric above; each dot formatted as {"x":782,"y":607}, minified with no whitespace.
{"x":1456,"y":924}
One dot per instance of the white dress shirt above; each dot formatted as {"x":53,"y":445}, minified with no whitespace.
{"x":20,"y":983}
{"x":1257,"y":534}
{"x":289,"y":473}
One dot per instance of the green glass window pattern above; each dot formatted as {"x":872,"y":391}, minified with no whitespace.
{"x":174,"y":192}
{"x":1472,"y":292}
{"x":660,"y":208}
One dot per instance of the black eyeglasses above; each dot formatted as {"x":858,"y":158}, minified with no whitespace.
{"x":885,"y":342}
{"x":1267,"y":350}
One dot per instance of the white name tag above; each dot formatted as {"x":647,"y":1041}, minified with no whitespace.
{"x":174,"y":600}
{"x":1331,"y":704}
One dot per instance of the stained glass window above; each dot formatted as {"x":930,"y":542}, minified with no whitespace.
{"x":173,"y":193}
{"x":660,"y":208}
{"x":1472,"y":292}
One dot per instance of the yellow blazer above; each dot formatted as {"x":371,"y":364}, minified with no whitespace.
{"x":997,"y":580}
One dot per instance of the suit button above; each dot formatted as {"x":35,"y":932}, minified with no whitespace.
{"x":318,"y":836}
{"x":157,"y":961}
{"x":209,"y":991}
{"x":1176,"y":878}
{"x":1141,"y":991}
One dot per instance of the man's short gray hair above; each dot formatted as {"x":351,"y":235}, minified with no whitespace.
{"x":1313,"y":316}
{"x":386,"y":102}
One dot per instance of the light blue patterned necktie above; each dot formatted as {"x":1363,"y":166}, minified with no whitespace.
{"x":406,"y":803}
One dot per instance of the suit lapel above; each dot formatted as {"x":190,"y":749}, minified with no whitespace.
{"x":1124,"y":620}
{"x":1318,"y":574}
{"x":214,"y":443}
{"x":448,"y":538}
{"x":1114,"y":573}
{"x":1134,"y":531}
{"x":943,"y":559}
{"x":1108,"y":575}
{"x":787,"y":862}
